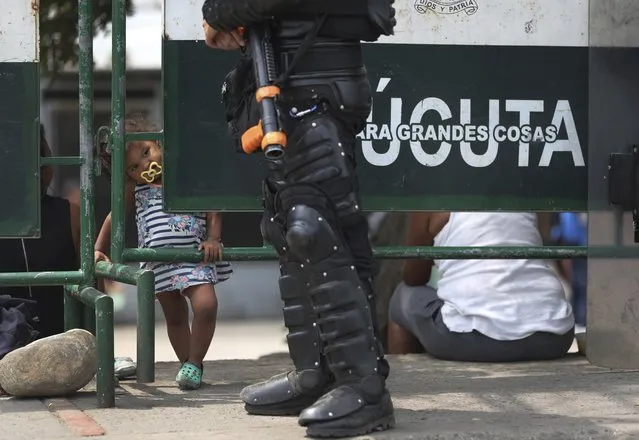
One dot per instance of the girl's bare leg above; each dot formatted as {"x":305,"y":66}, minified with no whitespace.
{"x":204,"y":305}
{"x":176,"y":313}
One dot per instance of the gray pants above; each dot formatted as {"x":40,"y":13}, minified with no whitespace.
{"x":418,"y":310}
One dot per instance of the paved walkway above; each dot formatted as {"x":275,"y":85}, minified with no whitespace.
{"x":568,"y":399}
{"x":234,"y":339}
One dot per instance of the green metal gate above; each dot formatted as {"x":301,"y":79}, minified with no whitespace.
{"x":19,"y":167}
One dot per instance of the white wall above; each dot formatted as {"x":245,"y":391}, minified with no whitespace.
{"x":472,"y":22}
{"x":19,"y":39}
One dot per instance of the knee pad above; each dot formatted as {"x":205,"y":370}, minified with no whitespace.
{"x":309,"y":234}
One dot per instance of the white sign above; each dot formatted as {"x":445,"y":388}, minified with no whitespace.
{"x":471,"y":22}
{"x":446,"y":7}
{"x":19,"y":40}
{"x":454,"y":129}
{"x":570,"y":23}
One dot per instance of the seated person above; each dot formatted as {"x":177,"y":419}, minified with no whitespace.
{"x":572,"y":230}
{"x":482,"y":310}
{"x":57,"y":249}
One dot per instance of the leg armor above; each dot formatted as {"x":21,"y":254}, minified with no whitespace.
{"x":347,"y":97}
{"x":318,"y":202}
{"x":359,"y":403}
{"x":291,"y":392}
{"x":321,"y":236}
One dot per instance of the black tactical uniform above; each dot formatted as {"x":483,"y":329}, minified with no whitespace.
{"x":312,"y":210}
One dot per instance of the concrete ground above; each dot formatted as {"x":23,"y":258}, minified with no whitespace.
{"x":562,"y":400}
{"x":234,"y":339}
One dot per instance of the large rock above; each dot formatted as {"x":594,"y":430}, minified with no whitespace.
{"x":53,"y":366}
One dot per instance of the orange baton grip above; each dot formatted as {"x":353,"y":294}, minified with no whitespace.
{"x":252,"y":138}
{"x":266,"y":92}
{"x":274,"y":138}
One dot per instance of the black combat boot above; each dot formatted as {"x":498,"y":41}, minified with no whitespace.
{"x":358,"y":401}
{"x":291,"y":392}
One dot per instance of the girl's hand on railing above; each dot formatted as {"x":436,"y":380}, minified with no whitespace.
{"x":100,"y":256}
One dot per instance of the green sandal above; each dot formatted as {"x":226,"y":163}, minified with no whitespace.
{"x":189,"y":377}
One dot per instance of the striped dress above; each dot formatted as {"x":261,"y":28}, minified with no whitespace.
{"x":158,"y":229}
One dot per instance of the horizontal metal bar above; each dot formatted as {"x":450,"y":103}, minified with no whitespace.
{"x":401,"y":253}
{"x":61,"y":161}
{"x":506,"y":252}
{"x":41,"y":278}
{"x":119,"y":272}
{"x":88,"y":296}
{"x":194,"y":256}
{"x":147,"y":136}
{"x":486,"y":253}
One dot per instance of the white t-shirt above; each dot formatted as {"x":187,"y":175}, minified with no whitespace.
{"x":502,"y":299}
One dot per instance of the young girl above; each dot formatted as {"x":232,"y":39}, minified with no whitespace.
{"x":173,"y":281}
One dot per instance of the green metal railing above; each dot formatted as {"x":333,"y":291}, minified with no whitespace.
{"x":402,"y":253}
{"x":122,"y":255}
{"x":145,"y":282}
{"x":80,"y":296}
{"x":84,"y":305}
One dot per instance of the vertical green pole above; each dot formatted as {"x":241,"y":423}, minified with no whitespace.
{"x":87,"y":178}
{"x":105,"y":376}
{"x":87,"y":225}
{"x":118,"y":97}
{"x":72,"y":309}
{"x":89,"y":322}
{"x":146,"y":328}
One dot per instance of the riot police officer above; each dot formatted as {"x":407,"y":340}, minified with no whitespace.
{"x":312,"y":211}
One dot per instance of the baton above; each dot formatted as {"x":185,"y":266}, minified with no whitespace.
{"x":267,"y":134}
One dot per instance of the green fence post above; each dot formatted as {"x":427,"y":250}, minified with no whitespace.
{"x":104,"y":338}
{"x":87,"y":222}
{"x":88,"y":319}
{"x":103,"y":305}
{"x":118,"y":97}
{"x":87,"y":180}
{"x":145,"y":282}
{"x":73,"y":309}
{"x":146,"y":327}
